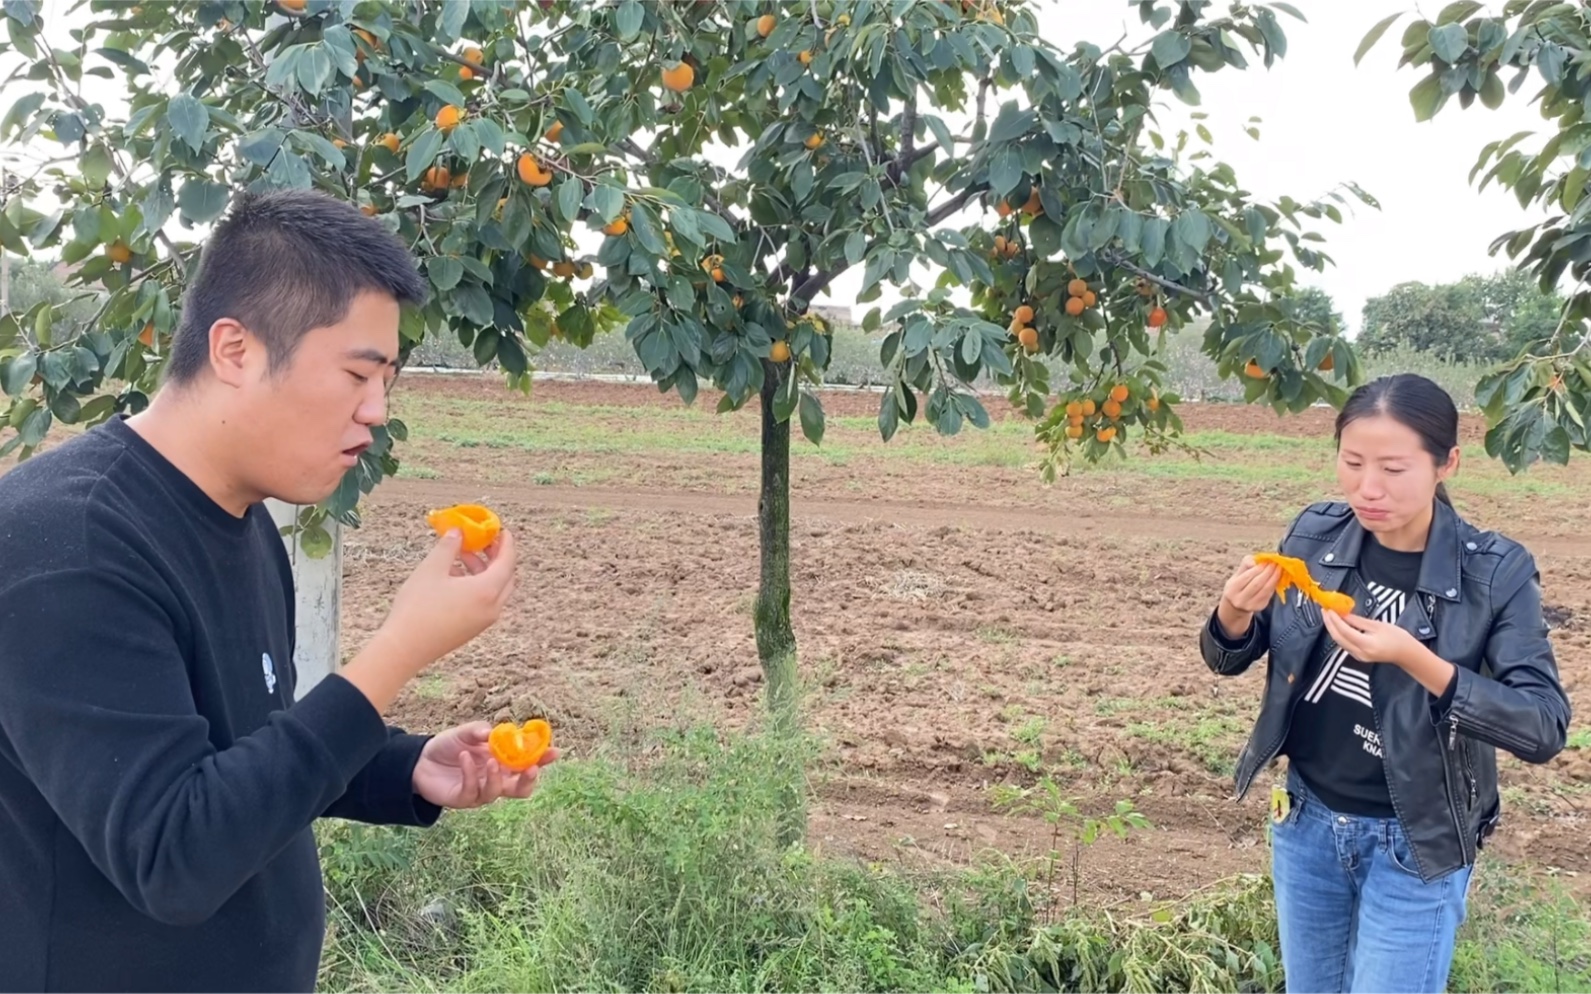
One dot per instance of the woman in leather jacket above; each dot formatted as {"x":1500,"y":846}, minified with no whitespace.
{"x":1390,"y":716}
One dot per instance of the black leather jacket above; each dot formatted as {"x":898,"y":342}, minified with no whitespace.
{"x":1478,"y":607}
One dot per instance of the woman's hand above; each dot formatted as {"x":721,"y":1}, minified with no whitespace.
{"x":1371,"y":641}
{"x":1247,"y":592}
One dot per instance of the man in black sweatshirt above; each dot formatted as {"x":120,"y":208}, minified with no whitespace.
{"x":158,"y":780}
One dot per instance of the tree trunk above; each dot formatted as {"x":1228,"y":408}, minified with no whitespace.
{"x":776,"y":644}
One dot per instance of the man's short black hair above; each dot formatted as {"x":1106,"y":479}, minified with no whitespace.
{"x":285,"y":262}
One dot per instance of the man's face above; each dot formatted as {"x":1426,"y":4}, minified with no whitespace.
{"x":308,"y":422}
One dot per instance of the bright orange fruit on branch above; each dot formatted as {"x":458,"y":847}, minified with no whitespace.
{"x":679,"y":78}
{"x":478,"y":525}
{"x":448,"y":117}
{"x":1118,"y":393}
{"x":1254,"y":371}
{"x":518,"y":747}
{"x":780,"y":351}
{"x":530,"y":171}
{"x":765,"y":24}
{"x":1157,"y":317}
{"x":1023,"y":314}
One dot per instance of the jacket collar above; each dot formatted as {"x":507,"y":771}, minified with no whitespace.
{"x":1440,"y":566}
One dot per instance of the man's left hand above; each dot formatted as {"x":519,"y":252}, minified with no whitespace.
{"x":457,"y":770}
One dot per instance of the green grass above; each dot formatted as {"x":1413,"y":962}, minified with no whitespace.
{"x":1299,"y":468}
{"x":664,"y":875}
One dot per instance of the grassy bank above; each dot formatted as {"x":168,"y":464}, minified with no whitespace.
{"x":652,"y":866}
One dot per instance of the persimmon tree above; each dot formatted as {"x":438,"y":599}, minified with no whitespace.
{"x":1537,"y":401}
{"x":697,"y":173}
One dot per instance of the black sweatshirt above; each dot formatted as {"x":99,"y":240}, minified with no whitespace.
{"x":157,"y":782}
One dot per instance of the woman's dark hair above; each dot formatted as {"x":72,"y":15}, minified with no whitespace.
{"x":1416,"y":403}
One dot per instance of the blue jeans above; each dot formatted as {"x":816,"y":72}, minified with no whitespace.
{"x":1353,"y":913}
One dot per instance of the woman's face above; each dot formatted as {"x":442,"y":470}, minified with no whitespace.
{"x":1387,"y":476}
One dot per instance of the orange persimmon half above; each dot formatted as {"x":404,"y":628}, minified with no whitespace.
{"x":1295,"y":573}
{"x":478,"y":525}
{"x":518,"y":747}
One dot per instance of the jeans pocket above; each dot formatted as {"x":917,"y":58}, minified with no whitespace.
{"x":1400,"y":853}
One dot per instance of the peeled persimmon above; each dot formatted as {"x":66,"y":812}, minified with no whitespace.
{"x":518,"y":747}
{"x":1295,"y":573}
{"x":478,"y":525}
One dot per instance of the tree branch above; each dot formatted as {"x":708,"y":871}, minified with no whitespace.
{"x":1163,"y":283}
{"x":952,"y":205}
{"x":815,"y":283}
{"x":711,"y":200}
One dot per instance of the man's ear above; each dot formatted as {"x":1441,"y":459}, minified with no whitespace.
{"x":231,"y":346}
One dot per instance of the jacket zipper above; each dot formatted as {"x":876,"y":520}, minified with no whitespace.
{"x":1452,"y":743}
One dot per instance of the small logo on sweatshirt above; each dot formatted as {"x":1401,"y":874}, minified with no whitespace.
{"x":270,"y":672}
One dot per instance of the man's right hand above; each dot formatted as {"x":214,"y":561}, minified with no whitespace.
{"x":1246,"y":593}
{"x":450,"y":598}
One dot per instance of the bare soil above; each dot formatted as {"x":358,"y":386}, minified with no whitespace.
{"x":960,"y":626}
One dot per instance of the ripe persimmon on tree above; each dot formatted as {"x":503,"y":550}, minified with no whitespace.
{"x":698,"y":173}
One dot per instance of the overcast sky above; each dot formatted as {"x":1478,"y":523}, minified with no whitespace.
{"x":1324,"y":122}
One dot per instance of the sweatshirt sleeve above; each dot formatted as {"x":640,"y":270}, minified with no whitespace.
{"x":382,"y":793}
{"x":99,"y":714}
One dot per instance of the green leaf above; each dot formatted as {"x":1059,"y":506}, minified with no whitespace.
{"x":202,"y":201}
{"x":608,"y":202}
{"x":1169,"y":48}
{"x":189,"y":119}
{"x":261,"y":146}
{"x":445,"y":272}
{"x":1193,"y":230}
{"x":683,"y":221}
{"x":644,"y":223}
{"x":812,"y":420}
{"x":16,"y":373}
{"x":1427,"y":97}
{"x":1448,"y":42}
{"x":454,"y":16}
{"x":628,"y":20}
{"x":1005,"y":171}
{"x":1288,"y":8}
{"x":570,"y":193}
{"x":716,"y":227}
{"x":1011,"y":123}
{"x":422,"y":153}
{"x":315,"y":70}
{"x":1492,"y":91}
{"x":888,"y":416}
{"x":96,"y":165}
{"x":474,"y":303}
{"x":35,"y":427}
{"x":1154,"y":240}
{"x":466,"y":142}
{"x":445,"y":91}
{"x":855,"y":246}
{"x":19,"y":113}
